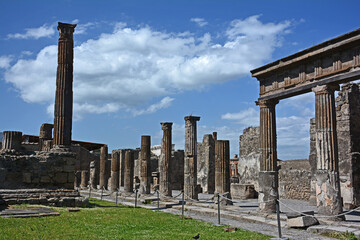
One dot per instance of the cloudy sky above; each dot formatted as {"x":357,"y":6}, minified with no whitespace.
{"x":139,"y":63}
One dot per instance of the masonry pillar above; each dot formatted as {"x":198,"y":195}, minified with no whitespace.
{"x":121,"y":167}
{"x":222,"y":169}
{"x":268,"y":174}
{"x":190,"y":166}
{"x":84,"y":179}
{"x":145,"y":168}
{"x":115,"y":160}
{"x":103,"y":174}
{"x":64,"y":84}
{"x":165,"y":160}
{"x":129,"y":171}
{"x":45,"y":136}
{"x":328,"y":195}
{"x":11,"y":140}
{"x":93,"y":174}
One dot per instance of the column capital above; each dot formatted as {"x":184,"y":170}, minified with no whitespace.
{"x":192,"y":118}
{"x":166,"y":125}
{"x":325,"y":89}
{"x":267,"y":103}
{"x":66,"y":28}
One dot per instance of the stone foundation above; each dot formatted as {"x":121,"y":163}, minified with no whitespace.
{"x":41,"y":170}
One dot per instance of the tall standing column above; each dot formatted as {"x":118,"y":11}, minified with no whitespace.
{"x":268,"y":174}
{"x":129,"y":171}
{"x":222,"y":169}
{"x":328,"y":195}
{"x":103,"y":174}
{"x":115,"y":160}
{"x":190,"y":166}
{"x":145,"y":168}
{"x":165,"y":160}
{"x":64,"y":83}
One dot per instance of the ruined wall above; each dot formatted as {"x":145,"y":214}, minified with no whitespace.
{"x":177,"y":170}
{"x":206,"y":164}
{"x":249,"y":157}
{"x":294,"y":179}
{"x":348,"y":133}
{"x":40,"y":170}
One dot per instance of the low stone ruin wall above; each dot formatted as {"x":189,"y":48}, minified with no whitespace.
{"x":40,"y":170}
{"x":294,"y":179}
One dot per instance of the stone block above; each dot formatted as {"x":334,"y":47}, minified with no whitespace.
{"x":61,"y":177}
{"x":242,"y":191}
{"x":69,"y":168}
{"x":45,"y":179}
{"x":302,"y":222}
{"x":27,"y":177}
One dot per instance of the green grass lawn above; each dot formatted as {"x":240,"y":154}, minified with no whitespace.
{"x":104,"y":220}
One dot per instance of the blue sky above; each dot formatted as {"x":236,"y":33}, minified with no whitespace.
{"x":139,"y":63}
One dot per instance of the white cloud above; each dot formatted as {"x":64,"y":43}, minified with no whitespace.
{"x":164,"y":103}
{"x":129,"y":67}
{"x":199,"y":21}
{"x":5,"y":61}
{"x":36,"y":33}
{"x":248,"y":117}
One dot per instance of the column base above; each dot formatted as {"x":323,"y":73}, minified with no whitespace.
{"x":328,"y":196}
{"x":191,"y":192}
{"x":268,"y":187}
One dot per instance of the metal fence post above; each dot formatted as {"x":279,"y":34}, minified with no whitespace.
{"x":218,"y":209}
{"x":182,"y":204}
{"x":158,"y":199}
{"x":136,"y":191}
{"x":278,"y":214}
{"x":116,"y":196}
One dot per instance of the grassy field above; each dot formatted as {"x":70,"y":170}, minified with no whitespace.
{"x":104,"y":220}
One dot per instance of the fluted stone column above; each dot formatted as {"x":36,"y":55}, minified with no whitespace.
{"x":94,"y":173}
{"x":129,"y":171}
{"x":222,"y":169}
{"x":268,"y":174}
{"x":121,"y":167}
{"x":190,"y":166}
{"x":84,"y":179}
{"x":103,"y":179}
{"x":165,"y":160}
{"x":145,"y":168}
{"x":64,"y":84}
{"x":115,"y":162}
{"x":45,"y":136}
{"x":11,"y":140}
{"x":328,"y":195}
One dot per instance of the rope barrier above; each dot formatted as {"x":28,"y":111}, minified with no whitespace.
{"x":319,"y":216}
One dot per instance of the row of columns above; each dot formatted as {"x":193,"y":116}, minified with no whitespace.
{"x":327,"y":175}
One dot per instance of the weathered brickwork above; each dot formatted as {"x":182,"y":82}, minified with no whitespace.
{"x":41,"y":170}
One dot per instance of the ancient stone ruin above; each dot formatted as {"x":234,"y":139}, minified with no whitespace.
{"x":50,"y":169}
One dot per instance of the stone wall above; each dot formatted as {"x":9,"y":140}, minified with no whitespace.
{"x":40,"y":170}
{"x":206,"y":164}
{"x":249,"y":157}
{"x":294,"y":179}
{"x":348,"y":133}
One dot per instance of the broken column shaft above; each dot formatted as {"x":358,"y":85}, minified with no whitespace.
{"x":103,"y":179}
{"x":145,"y":168}
{"x":45,"y":135}
{"x":268,"y":175}
{"x":165,"y":160}
{"x":190,"y":165}
{"x":328,"y":193}
{"x":64,"y":84}
{"x":115,"y":162}
{"x":11,"y":140}
{"x":129,"y":171}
